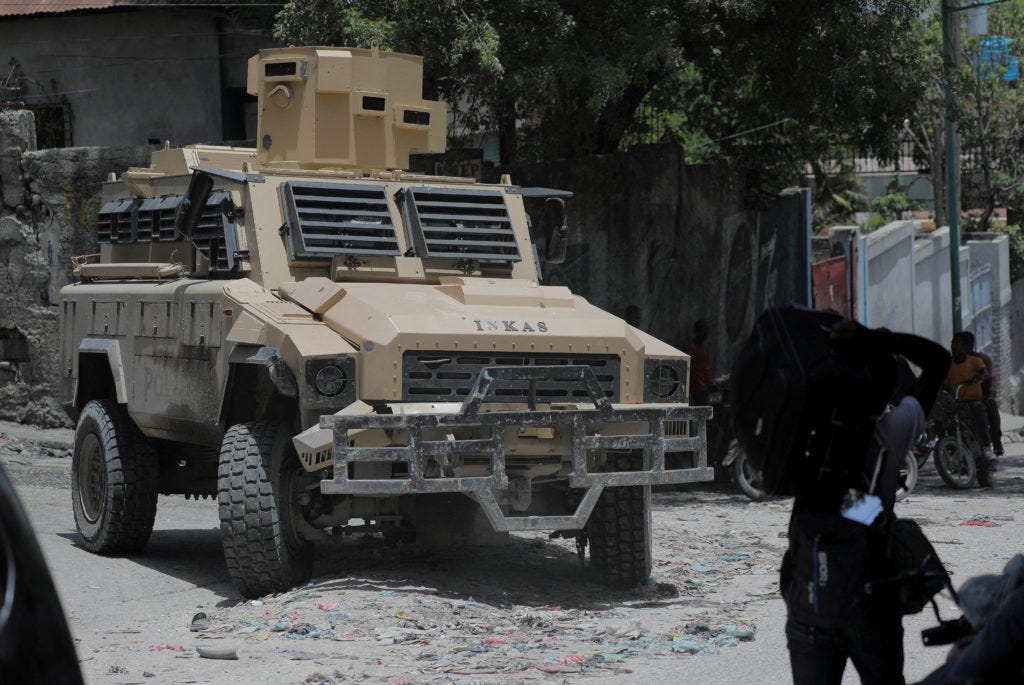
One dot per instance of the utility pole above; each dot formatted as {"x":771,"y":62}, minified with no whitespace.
{"x":950,"y":59}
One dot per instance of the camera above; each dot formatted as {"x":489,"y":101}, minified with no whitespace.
{"x":947,"y":632}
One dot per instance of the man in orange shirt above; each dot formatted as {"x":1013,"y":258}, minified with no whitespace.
{"x":966,"y":373}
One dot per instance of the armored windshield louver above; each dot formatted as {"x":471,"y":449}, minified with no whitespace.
{"x":156,"y":219}
{"x":115,"y":222}
{"x":152,"y":220}
{"x":214,"y":234}
{"x":327,"y":219}
{"x":461,"y":224}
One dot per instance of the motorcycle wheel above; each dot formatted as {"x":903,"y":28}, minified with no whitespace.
{"x":747,"y":478}
{"x":955,"y":463}
{"x":907,"y":476}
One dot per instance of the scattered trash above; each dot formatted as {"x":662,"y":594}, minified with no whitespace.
{"x":980,"y":521}
{"x":217,"y":652}
{"x":445,"y":625}
{"x":199,"y":622}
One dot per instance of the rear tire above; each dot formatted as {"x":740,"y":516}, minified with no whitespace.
{"x":619,"y":529}
{"x":114,"y":473}
{"x":257,"y":503}
{"x":955,"y":463}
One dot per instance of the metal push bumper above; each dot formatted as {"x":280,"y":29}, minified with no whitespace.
{"x":418,"y":450}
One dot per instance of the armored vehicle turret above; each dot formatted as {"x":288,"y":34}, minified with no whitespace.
{"x":328,"y":343}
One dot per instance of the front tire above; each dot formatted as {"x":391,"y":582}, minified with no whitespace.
{"x":619,"y":529}
{"x":114,"y":473}
{"x":748,"y":478}
{"x":907,"y":476}
{"x":256,"y":496}
{"x":955,"y":463}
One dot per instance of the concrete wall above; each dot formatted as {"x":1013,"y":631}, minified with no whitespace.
{"x":932,"y":314}
{"x":992,"y":249}
{"x":47,"y":215}
{"x":131,"y":75}
{"x":889,"y":252}
{"x":907,"y":288}
{"x":683,"y":243}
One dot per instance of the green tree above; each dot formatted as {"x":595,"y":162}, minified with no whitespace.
{"x":572,"y":74}
{"x":992,"y":112}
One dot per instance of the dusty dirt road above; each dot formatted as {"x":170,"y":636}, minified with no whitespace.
{"x":524,"y":612}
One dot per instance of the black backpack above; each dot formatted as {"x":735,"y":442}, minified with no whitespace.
{"x":803,"y":408}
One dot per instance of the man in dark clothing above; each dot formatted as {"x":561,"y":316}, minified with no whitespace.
{"x":988,"y":395}
{"x":834,"y":548}
{"x":700,"y":364}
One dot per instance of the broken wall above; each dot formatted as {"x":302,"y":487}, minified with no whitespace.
{"x":48,"y":204}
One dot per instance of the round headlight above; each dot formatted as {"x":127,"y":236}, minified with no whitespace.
{"x":330,"y":381}
{"x":663,"y":380}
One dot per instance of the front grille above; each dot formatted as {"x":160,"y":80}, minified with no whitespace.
{"x":326,"y":219}
{"x":449,"y":376}
{"x":461,"y":224}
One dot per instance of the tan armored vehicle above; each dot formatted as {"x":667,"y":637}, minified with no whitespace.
{"x":329,"y":344}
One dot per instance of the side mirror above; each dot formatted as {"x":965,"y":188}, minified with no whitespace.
{"x":556,"y":237}
{"x":192,"y":206}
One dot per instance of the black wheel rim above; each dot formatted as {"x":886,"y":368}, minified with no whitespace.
{"x":954,"y":458}
{"x":92,"y":479}
{"x":751,"y":475}
{"x":287,"y":509}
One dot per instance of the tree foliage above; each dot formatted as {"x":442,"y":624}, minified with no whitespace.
{"x":778,"y":82}
{"x":991,"y":114}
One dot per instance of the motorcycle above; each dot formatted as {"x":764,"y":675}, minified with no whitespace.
{"x":729,"y":459}
{"x":724,"y":452}
{"x":749,"y":480}
{"x":958,"y":455}
{"x":745,"y":475}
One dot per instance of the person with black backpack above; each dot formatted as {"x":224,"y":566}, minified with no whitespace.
{"x":828,"y":409}
{"x":835,"y":543}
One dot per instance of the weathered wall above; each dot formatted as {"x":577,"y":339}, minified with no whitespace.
{"x":890,"y":270}
{"x":132,"y":75}
{"x":907,"y":288}
{"x":992,"y":250}
{"x":682,"y":242}
{"x":47,"y":215}
{"x":1015,"y":321}
{"x":932,"y":316}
